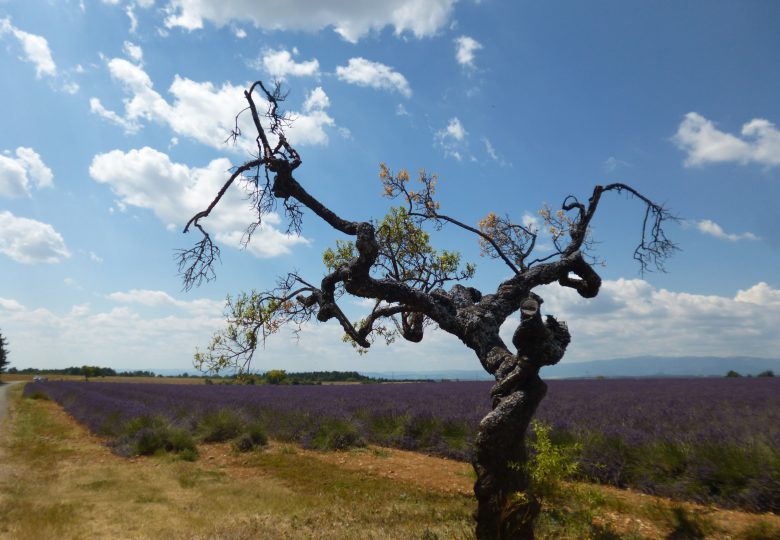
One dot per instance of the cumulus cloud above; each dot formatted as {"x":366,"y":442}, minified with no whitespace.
{"x":153,"y":329}
{"x":29,"y":241}
{"x":8,"y":304}
{"x":152,"y":298}
{"x":120,"y":336}
{"x":452,"y":138}
{"x":19,"y":175}
{"x":631,"y":317}
{"x":133,"y":51}
{"x":351,"y":19}
{"x":281,"y":64}
{"x":35,"y":48}
{"x":705,"y":143}
{"x":147,"y":178}
{"x":317,"y":100}
{"x":363,"y":72}
{"x":465,"y":47}
{"x":711,"y":228}
{"x":200,"y":110}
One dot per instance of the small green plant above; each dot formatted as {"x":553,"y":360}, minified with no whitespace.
{"x":151,"y":435}
{"x":253,"y":437}
{"x":220,"y":426}
{"x":39,"y":395}
{"x":550,"y":463}
{"x":336,"y":435}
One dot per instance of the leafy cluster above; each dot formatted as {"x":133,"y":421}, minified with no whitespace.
{"x":251,"y":318}
{"x":550,"y":464}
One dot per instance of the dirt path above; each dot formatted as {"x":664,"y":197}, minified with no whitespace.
{"x":3,"y":400}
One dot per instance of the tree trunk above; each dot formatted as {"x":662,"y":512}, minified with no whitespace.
{"x":505,"y":508}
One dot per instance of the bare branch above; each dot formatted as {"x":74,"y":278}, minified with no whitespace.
{"x":196,"y":264}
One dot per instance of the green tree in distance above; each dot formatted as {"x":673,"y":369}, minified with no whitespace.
{"x":3,"y":354}
{"x":413,"y":286}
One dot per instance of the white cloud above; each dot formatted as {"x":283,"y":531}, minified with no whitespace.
{"x":130,"y":12}
{"x":465,"y":48}
{"x":240,"y":33}
{"x":705,"y":143}
{"x":36,"y":49}
{"x":455,"y":130}
{"x":351,"y":19}
{"x":70,"y":87}
{"x":118,"y":337}
{"x":165,"y":335}
{"x":628,"y":318}
{"x":280,"y":64}
{"x":72,"y":283}
{"x":491,"y":151}
{"x":29,"y":241}
{"x":452,"y":138}
{"x":631,"y":317}
{"x":760,"y":294}
{"x":612,"y":164}
{"x":8,"y":304}
{"x":199,"y":110}
{"x":19,"y":175}
{"x":317,"y":100}
{"x":711,"y":228}
{"x":148,"y":179}
{"x":363,"y":72}
{"x":531,"y":222}
{"x":151,"y":298}
{"x":95,"y":107}
{"x":133,"y":51}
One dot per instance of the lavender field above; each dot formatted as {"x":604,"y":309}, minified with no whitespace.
{"x":707,"y":440}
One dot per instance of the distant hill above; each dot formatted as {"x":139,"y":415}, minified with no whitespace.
{"x":638,"y":366}
{"x":655,"y":366}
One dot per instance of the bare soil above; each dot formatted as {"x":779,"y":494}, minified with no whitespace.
{"x":625,"y":511}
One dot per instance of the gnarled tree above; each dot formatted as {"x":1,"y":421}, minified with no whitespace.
{"x":413,"y":286}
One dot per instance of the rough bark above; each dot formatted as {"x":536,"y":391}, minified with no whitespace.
{"x":506,"y":507}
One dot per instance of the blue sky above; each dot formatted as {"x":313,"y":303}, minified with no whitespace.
{"x":115,"y":115}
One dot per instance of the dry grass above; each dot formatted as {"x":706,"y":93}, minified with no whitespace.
{"x":58,"y":481}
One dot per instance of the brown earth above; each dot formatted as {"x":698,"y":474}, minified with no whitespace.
{"x":625,"y":511}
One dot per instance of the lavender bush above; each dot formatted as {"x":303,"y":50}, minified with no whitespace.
{"x":709,"y":440}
